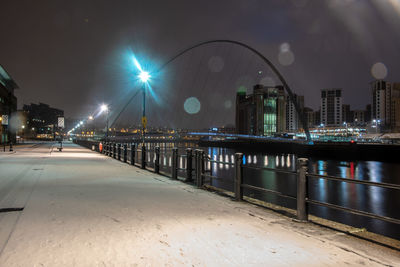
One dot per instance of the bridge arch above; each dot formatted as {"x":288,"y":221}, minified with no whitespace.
{"x":266,"y":60}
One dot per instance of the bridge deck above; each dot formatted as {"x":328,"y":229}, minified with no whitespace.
{"x":84,"y":209}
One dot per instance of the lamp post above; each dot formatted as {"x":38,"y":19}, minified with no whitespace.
{"x":104,"y":108}
{"x":144,"y":77}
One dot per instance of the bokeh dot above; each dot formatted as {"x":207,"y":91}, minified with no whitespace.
{"x":379,"y":71}
{"x":228,"y":104}
{"x":192,"y":105}
{"x":216,"y":64}
{"x":284,"y":47}
{"x":286,"y":58}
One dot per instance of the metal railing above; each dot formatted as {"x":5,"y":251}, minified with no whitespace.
{"x":197,"y":160}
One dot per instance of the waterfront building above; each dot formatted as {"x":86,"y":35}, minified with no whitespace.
{"x":359,"y":117}
{"x":261,"y":113}
{"x":43,"y":119}
{"x":8,"y":104}
{"x":347,"y":114}
{"x":293,"y":121}
{"x":309,"y":116}
{"x":331,"y":107}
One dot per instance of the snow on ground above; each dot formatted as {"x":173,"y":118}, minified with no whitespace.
{"x":85,"y":209}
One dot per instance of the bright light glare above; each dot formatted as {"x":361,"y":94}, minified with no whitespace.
{"x":137,"y":64}
{"x":90,"y":117}
{"x":103,"y":108}
{"x":144,"y":76}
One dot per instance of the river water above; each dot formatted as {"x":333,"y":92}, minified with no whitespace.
{"x":385,"y":202}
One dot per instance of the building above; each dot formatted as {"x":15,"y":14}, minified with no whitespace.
{"x":309,"y":116}
{"x":347,"y":114}
{"x":245,"y":113}
{"x":8,"y":104}
{"x":381,"y":92}
{"x":331,"y":107}
{"x":384,"y":95}
{"x":359,"y":117}
{"x":261,"y":113}
{"x":293,"y":121}
{"x":43,"y":119}
{"x":395,"y":124}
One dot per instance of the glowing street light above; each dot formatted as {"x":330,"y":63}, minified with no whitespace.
{"x":144,"y":76}
{"x":103,"y":108}
{"x":91,"y":117}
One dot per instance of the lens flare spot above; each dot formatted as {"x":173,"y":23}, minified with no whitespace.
{"x":379,"y":71}
{"x":286,"y":58}
{"x":216,"y":64}
{"x":192,"y":105}
{"x":284,"y":47}
{"x":228,"y":104}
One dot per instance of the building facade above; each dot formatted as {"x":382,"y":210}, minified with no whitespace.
{"x":293,"y":121}
{"x":8,"y":105}
{"x":261,"y":113}
{"x":331,"y":107}
{"x":384,"y":102}
{"x":43,"y":119}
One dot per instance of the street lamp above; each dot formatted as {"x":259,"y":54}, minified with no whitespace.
{"x":144,"y":77}
{"x":104,"y":108}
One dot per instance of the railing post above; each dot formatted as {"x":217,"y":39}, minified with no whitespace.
{"x":132,"y":154}
{"x":174,"y":168}
{"x":189,"y":167}
{"x":114,"y":150}
{"x":196,"y":165}
{"x":143,"y":165}
{"x":200,"y":168}
{"x":302,"y":212}
{"x":238,"y":176}
{"x":119,"y":151}
{"x":157,"y":160}
{"x":125,"y":152}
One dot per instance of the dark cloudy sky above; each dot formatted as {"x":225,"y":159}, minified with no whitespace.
{"x":75,"y":55}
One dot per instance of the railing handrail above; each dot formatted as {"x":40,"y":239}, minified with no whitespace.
{"x":354,"y":181}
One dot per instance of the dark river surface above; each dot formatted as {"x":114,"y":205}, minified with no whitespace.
{"x":381,"y":201}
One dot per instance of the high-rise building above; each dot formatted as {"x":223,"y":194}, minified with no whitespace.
{"x":309,"y":116}
{"x":395,"y":124}
{"x":358,"y":117}
{"x":383,"y":95}
{"x":331,"y":107}
{"x":293,"y":121}
{"x":261,"y":113}
{"x":8,"y":104}
{"x":347,"y":114}
{"x":381,"y":98}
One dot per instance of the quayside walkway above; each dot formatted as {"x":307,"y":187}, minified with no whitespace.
{"x":81,"y":208}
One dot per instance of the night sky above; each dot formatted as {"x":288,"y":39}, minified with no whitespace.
{"x":75,"y":55}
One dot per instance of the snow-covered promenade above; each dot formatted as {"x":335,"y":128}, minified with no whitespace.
{"x":82,"y":208}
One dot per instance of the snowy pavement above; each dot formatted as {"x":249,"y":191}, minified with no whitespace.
{"x":82,"y":208}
